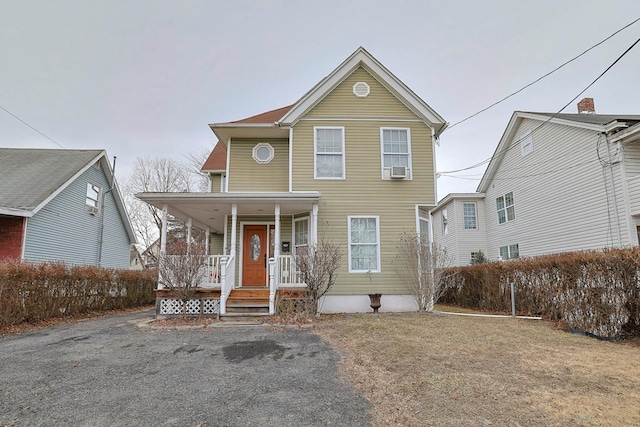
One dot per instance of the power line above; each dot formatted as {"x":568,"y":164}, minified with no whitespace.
{"x":546,"y":75}
{"x":554,"y":115}
{"x":31,"y":127}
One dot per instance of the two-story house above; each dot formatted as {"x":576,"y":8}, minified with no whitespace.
{"x":351,"y":162}
{"x":556,"y":183}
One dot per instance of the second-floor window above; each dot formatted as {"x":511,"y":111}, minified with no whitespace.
{"x":506,"y":208}
{"x":396,"y":153}
{"x":93,"y":198}
{"x":329,"y":153}
{"x":469,"y":216}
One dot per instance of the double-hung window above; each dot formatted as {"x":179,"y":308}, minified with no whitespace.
{"x":509,"y":252}
{"x":93,"y":198}
{"x":396,"y":153}
{"x":506,"y":208}
{"x":301,"y":234}
{"x":329,"y":153}
{"x":364,"y":244}
{"x":469,"y":216}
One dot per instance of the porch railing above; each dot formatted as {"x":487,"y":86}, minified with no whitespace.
{"x":288,"y":274}
{"x":213,"y":271}
{"x":227,"y":280}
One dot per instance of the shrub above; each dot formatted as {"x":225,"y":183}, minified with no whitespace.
{"x":593,"y":291}
{"x":34,"y":292}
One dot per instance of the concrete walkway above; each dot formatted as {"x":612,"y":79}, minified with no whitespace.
{"x":107,"y":372}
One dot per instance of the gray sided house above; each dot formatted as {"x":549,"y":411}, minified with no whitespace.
{"x":556,"y":183}
{"x":62,"y":206}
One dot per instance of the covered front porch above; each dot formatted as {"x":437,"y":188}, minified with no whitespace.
{"x":251,"y":239}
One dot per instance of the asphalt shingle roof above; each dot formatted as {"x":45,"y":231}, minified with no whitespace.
{"x":29,"y":176}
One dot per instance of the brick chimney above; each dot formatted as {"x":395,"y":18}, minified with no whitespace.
{"x":586,"y":106}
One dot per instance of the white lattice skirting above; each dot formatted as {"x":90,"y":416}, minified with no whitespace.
{"x":169,"y":306}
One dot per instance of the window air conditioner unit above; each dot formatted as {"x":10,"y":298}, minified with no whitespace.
{"x":398,"y":172}
{"x":93,"y":210}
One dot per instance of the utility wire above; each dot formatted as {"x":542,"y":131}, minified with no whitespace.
{"x":540,"y":78}
{"x":516,"y":142}
{"x":31,"y":127}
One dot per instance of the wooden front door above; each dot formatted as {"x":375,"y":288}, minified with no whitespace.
{"x":254,"y":255}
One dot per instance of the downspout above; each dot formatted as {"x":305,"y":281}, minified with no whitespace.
{"x":613,"y":190}
{"x":102,"y":207}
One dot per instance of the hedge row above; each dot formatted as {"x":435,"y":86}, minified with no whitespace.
{"x":596,"y":292}
{"x":33,"y":292}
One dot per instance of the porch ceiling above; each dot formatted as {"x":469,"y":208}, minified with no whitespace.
{"x":209,"y":209}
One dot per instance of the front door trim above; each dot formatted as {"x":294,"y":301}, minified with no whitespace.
{"x":266,"y":224}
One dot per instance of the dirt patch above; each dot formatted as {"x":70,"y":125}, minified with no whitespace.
{"x":430,"y":370}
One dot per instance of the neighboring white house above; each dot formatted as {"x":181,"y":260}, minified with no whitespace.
{"x":556,"y":183}
{"x":62,"y":206}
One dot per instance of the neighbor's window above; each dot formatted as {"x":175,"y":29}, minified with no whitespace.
{"x":396,"y":151}
{"x":509,"y":252}
{"x":445,"y":221}
{"x":301,"y":233}
{"x":93,"y":198}
{"x":526,"y":143}
{"x":329,"y":153}
{"x":364,"y":244}
{"x":469,"y":216}
{"x":506,"y":209}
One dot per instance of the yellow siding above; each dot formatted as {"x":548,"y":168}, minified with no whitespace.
{"x":364,"y":192}
{"x":216,"y":244}
{"x":341,"y":102}
{"x":215,"y":182}
{"x":247,"y":175}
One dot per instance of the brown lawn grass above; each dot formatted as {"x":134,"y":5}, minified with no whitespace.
{"x":444,"y":370}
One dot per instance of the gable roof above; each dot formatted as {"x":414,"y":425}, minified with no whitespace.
{"x":217,"y":160}
{"x":595,"y":122}
{"x":362,"y":58}
{"x":31,"y":178}
{"x":275,"y":123}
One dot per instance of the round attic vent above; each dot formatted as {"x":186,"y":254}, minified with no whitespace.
{"x":361,"y":90}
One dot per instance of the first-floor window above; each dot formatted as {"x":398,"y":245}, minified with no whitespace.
{"x":364,"y":244}
{"x":509,"y":252}
{"x":301,"y":233}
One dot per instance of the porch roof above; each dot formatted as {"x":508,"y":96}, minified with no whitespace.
{"x":209,"y":209}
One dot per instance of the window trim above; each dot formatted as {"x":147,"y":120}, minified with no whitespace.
{"x":509,"y":251}
{"x":315,"y":153}
{"x":377,"y":218}
{"x":387,"y":176}
{"x":475,"y":216}
{"x":257,"y":147}
{"x":506,"y":207}
{"x":526,"y":144}
{"x":296,"y":220}
{"x":93,"y":208}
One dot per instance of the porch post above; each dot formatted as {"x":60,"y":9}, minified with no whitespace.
{"x":163,"y":242}
{"x":314,"y":225}
{"x":234,"y":220}
{"x":206,"y":240}
{"x":189,"y":224}
{"x":276,"y":238}
{"x":163,"y":233}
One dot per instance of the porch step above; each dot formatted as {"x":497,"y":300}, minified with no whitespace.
{"x":248,"y":308}
{"x":244,"y":318}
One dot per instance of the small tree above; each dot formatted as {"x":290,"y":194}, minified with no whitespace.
{"x":182,"y":269}
{"x":478,"y":258}
{"x":317,"y":265}
{"x":423,"y":267}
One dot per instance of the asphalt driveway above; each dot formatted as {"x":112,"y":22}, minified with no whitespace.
{"x":107,"y":372}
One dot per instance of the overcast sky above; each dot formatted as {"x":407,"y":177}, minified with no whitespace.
{"x":145,"y":78}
